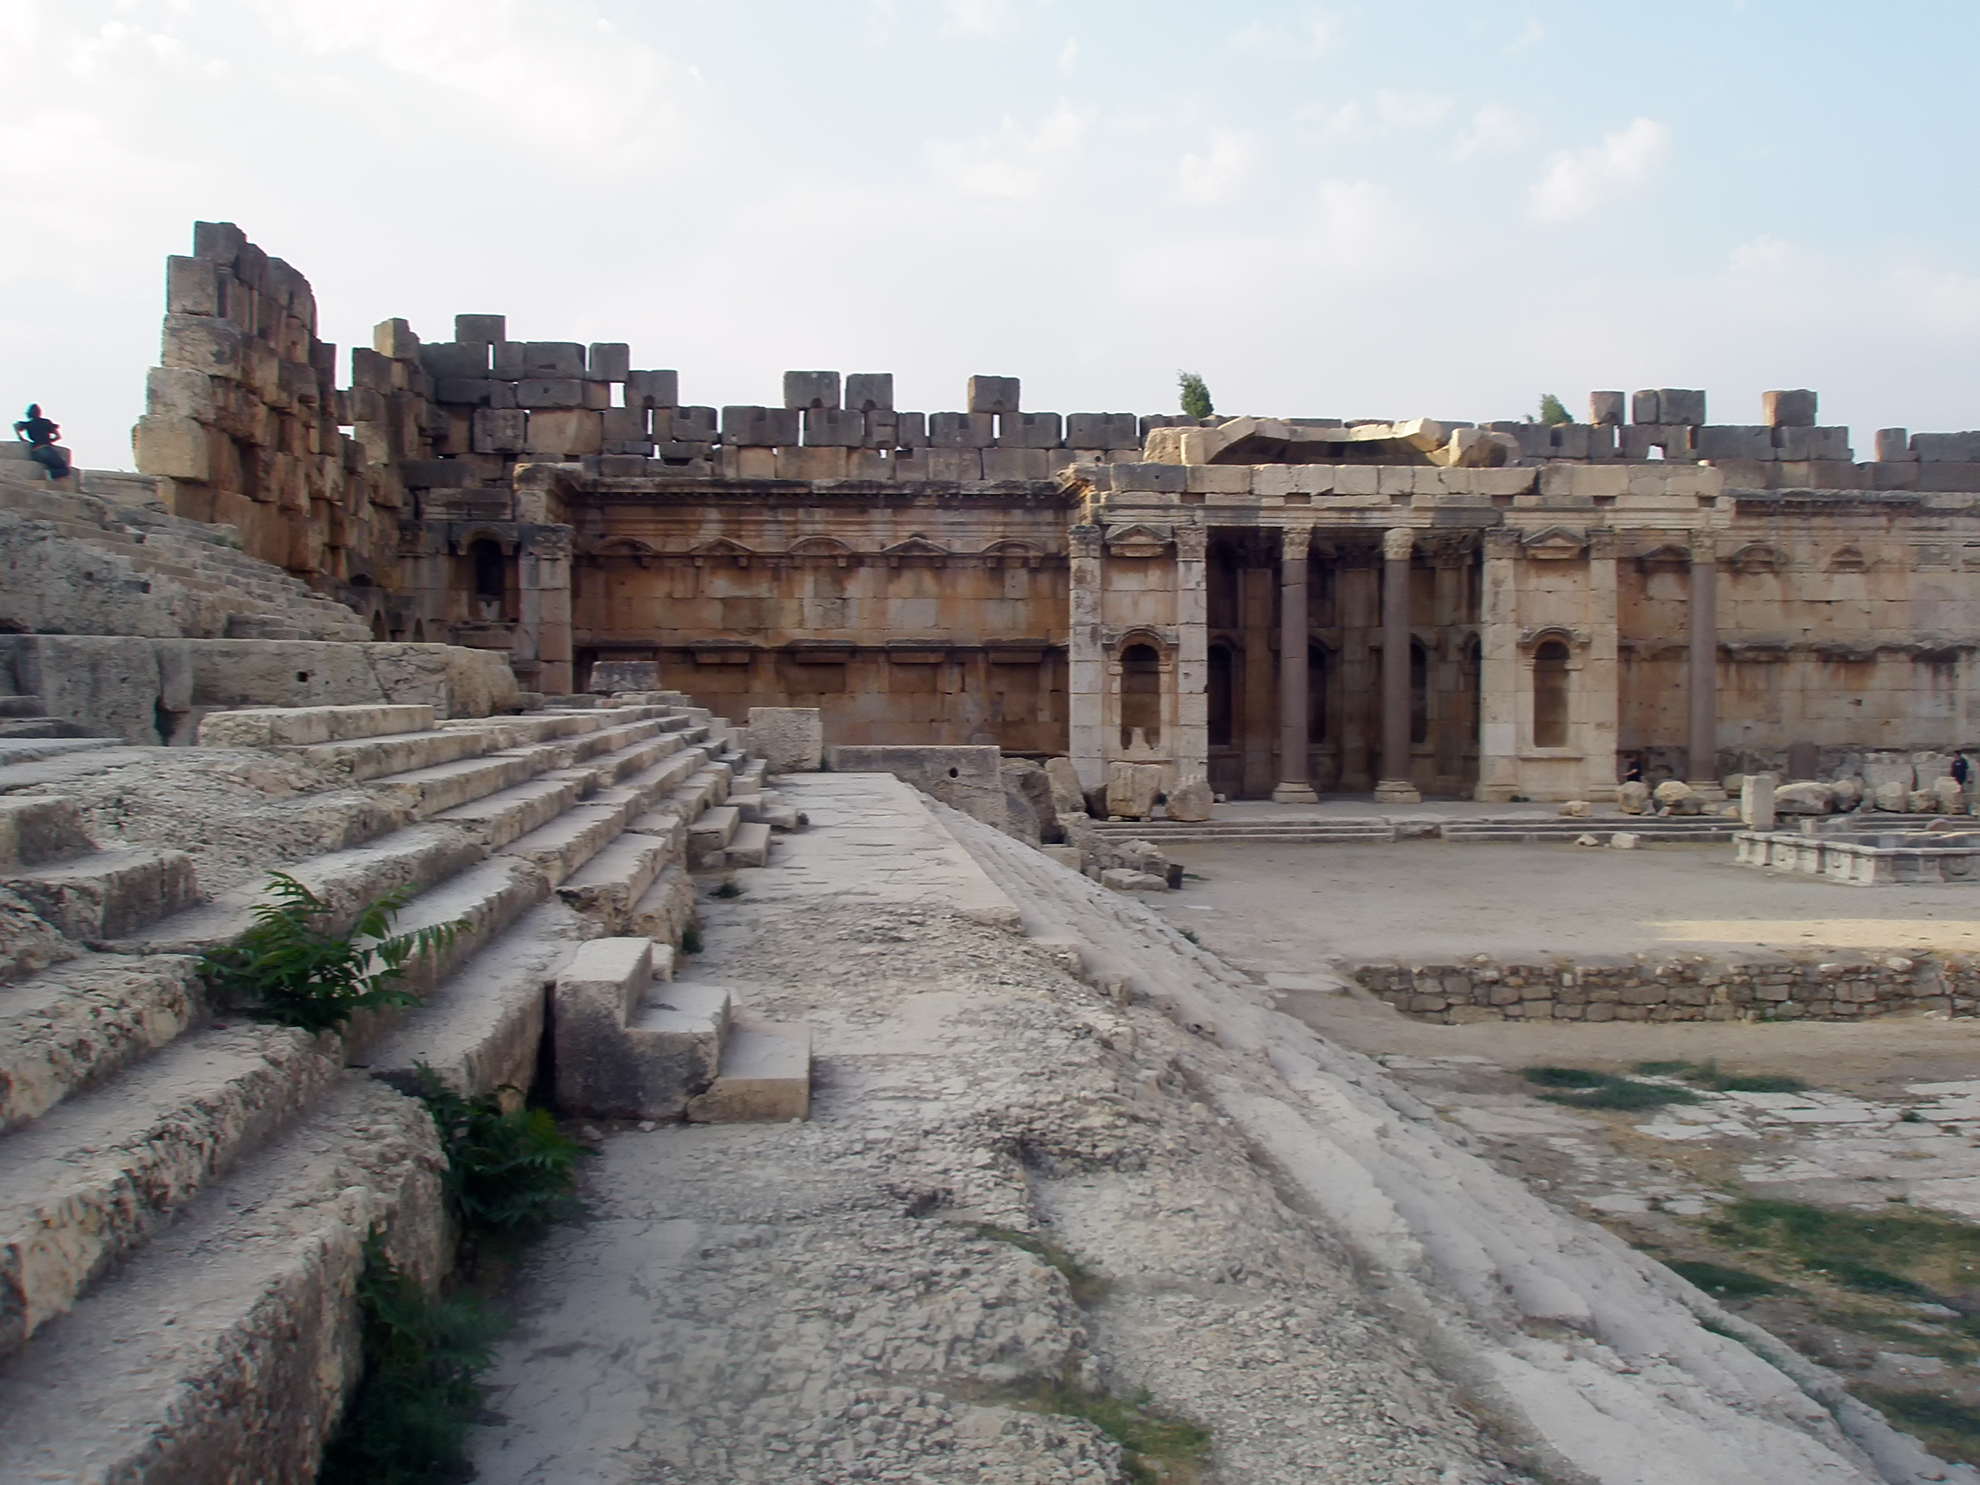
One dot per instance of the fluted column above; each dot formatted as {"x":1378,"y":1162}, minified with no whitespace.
{"x":1295,"y":758}
{"x":1395,"y":786}
{"x":1086,"y":664}
{"x":1498,"y":670}
{"x":1192,"y":741}
{"x":1703,"y":663}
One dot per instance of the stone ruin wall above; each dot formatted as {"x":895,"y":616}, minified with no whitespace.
{"x":1759,"y":986}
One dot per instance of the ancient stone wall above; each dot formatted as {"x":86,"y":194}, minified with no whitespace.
{"x":1834,"y":987}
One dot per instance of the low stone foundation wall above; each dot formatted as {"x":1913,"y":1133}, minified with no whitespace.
{"x":1766,"y":987}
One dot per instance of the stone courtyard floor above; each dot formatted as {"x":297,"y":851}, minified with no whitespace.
{"x":1889,"y":1120}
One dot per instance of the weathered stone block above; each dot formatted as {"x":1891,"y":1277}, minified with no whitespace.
{"x":760,"y":427}
{"x":1028,"y":431}
{"x":951,"y":430}
{"x":811,"y":463}
{"x":1131,"y":789}
{"x":833,"y":427}
{"x":563,"y":431}
{"x":653,"y":389}
{"x":608,"y":361}
{"x":1645,"y":408}
{"x":534,"y":392}
{"x":993,"y":394}
{"x":552,"y":359}
{"x":176,"y":448}
{"x":500,"y":431}
{"x":1102,"y":430}
{"x":1680,"y":407}
{"x":808,"y":389}
{"x":452,"y":358}
{"x":202,"y":343}
{"x":870,"y":391}
{"x":969,"y":779}
{"x":1794,"y":409}
{"x":193,"y":286}
{"x":608,"y":676}
{"x":1894,"y":446}
{"x":1166,"y":479}
{"x":488,"y":329}
{"x":789,"y":739}
{"x":1605,"y":409}
{"x":1018,"y":464}
{"x":690,"y":425}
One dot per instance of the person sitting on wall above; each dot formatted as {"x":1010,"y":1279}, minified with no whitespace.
{"x":43,"y":437}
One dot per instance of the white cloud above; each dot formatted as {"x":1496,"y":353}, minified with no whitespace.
{"x":1069,"y":55}
{"x":1620,"y":165}
{"x":1411,"y":110}
{"x":978,"y":17}
{"x":1491,"y":129}
{"x":1314,"y":35}
{"x":1534,"y":33}
{"x":1014,"y":164}
{"x":1220,"y":172}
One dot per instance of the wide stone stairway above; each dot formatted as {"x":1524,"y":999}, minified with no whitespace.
{"x":185,"y":1192}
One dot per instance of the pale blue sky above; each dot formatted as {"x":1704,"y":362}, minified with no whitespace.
{"x":1361,"y":210}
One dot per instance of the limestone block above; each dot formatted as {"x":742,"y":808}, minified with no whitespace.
{"x":1067,"y":796}
{"x":179,"y":392}
{"x":1681,"y":408}
{"x":1016,"y":430}
{"x":608,"y":361}
{"x":1123,"y":879}
{"x":789,"y":739}
{"x":1018,"y":464}
{"x":535,"y":392}
{"x":1236,"y":479}
{"x":811,"y":463}
{"x":302,"y":726}
{"x":1131,"y":789}
{"x":1794,"y":409}
{"x":653,"y":389}
{"x":394,"y":339}
{"x":1924,"y":802}
{"x":911,"y":430}
{"x":39,"y":828}
{"x":509,"y":360}
{"x":953,"y":430}
{"x":1893,"y":797}
{"x":1804,"y":444}
{"x":563,"y":431}
{"x":1736,"y":442}
{"x":1190,"y":801}
{"x":957,"y":465}
{"x":1645,"y":408}
{"x":192,"y":286}
{"x":1605,"y":409}
{"x":500,"y":431}
{"x":967,"y":778}
{"x":1878,"y":772}
{"x":993,"y":394}
{"x":1937,"y":448}
{"x":625,"y":425}
{"x":870,"y":391}
{"x":202,"y":343}
{"x":608,"y":676}
{"x":1577,"y":809}
{"x":1588,"y":840}
{"x":453,"y":358}
{"x":760,"y":427}
{"x":1757,"y":800}
{"x":176,"y":448}
{"x":552,"y":360}
{"x":690,"y":425}
{"x":1804,"y":798}
{"x":811,"y":389}
{"x":1671,"y":791}
{"x":1894,"y":446}
{"x":832,"y":427}
{"x":1101,"y":430}
{"x":488,"y":329}
{"x":1164,"y":479}
{"x":1633,"y":798}
{"x":1847,"y":791}
{"x":1626,"y":840}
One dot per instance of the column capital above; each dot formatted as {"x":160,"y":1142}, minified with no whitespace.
{"x":1192,"y":543}
{"x":1397,"y":543}
{"x":1704,"y":548}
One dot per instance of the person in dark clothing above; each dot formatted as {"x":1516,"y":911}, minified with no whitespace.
{"x":1961,"y":769}
{"x":1633,"y":772}
{"x":43,"y":437}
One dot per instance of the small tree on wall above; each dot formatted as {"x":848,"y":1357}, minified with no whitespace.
{"x":1195,"y":396}
{"x":1553,"y":412}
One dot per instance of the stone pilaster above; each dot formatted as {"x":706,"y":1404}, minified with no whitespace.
{"x":1086,"y":665}
{"x":1598,"y":696}
{"x":1498,"y":680}
{"x":1295,"y":784}
{"x":1192,"y":742}
{"x":543,"y":630}
{"x":1702,"y":665}
{"x":1395,"y":786}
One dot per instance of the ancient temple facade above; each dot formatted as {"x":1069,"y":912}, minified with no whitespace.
{"x":1284,"y":607}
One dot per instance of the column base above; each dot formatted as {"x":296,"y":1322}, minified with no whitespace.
{"x":1397,"y":791}
{"x":1294,"y":793}
{"x":1710,"y":790}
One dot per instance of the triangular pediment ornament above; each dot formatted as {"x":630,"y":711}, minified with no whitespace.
{"x":1669,"y":554}
{"x":1556,"y":542}
{"x":1847,"y":559}
{"x":623,"y":546}
{"x":820,"y":546}
{"x":721,"y":546}
{"x":916,"y":545}
{"x":1758,"y":557}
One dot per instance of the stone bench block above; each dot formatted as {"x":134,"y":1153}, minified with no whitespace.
{"x":269,"y":727}
{"x":789,"y":739}
{"x":627,"y":1045}
{"x":107,"y":894}
{"x":751,"y":846}
{"x":34,"y":829}
{"x":709,"y":837}
{"x":764,"y":1075}
{"x":606,"y":888}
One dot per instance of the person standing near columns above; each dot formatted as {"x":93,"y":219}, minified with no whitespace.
{"x":1396,"y":786}
{"x":1295,"y":756}
{"x":1703,"y":666}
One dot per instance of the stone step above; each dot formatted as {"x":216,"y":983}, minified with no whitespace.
{"x":709,"y":836}
{"x":480,"y":1028}
{"x":569,"y":841}
{"x":750,"y":847}
{"x":629,"y":1044}
{"x":38,"y":828}
{"x":1288,"y":835}
{"x":764,"y":1075}
{"x":1548,"y":830}
{"x":22,"y":706}
{"x":220,"y":1350}
{"x":606,"y":889}
{"x":666,"y":909}
{"x":489,"y":897}
{"x":509,"y":814}
{"x":91,"y":1180}
{"x":74,"y":1025}
{"x":104,"y":895}
{"x":426,"y":792}
{"x":402,"y":752}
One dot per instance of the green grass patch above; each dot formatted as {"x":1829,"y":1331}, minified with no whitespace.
{"x":1948,"y":1428}
{"x":1707,"y":1074}
{"x":690,"y":940}
{"x":1894,"y":1253}
{"x":1724,"y":1283}
{"x":1158,"y":1447}
{"x":727,"y":889}
{"x":1578,"y":1088}
{"x":1086,"y":1285}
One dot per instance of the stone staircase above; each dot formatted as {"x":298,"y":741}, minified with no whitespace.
{"x":185,"y":1193}
{"x":196,"y":573}
{"x":1324,"y":830}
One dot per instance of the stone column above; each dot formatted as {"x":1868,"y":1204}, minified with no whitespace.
{"x":1295,"y":759}
{"x":1498,"y":669}
{"x":543,"y":628}
{"x":1395,"y":786}
{"x":1086,"y":666}
{"x":1703,"y":664}
{"x":1192,"y":741}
